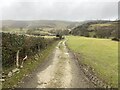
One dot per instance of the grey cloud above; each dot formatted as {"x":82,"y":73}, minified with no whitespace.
{"x":61,"y":10}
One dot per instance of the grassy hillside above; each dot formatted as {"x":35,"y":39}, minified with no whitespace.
{"x":56,"y":24}
{"x":100,"y":54}
{"x":95,"y":26}
{"x":47,"y":27}
{"x":97,"y":29}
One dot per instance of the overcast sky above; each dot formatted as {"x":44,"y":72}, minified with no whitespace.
{"x":71,"y":10}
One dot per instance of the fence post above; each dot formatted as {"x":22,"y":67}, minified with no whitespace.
{"x":17,"y":59}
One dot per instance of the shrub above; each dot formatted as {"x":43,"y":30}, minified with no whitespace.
{"x":115,"y":39}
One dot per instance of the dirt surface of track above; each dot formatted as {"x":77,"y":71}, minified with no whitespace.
{"x":61,"y":70}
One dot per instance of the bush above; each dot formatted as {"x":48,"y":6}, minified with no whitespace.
{"x":115,"y":39}
{"x":94,"y":36}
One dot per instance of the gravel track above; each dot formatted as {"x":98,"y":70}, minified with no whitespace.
{"x":60,"y":70}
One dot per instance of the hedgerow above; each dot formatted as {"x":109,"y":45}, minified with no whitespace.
{"x":26,"y":45}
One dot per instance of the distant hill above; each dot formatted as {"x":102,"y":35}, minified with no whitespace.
{"x":97,"y":29}
{"x":54,"y":24}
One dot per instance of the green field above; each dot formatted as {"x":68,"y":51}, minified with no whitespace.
{"x":94,"y":26}
{"x":100,"y":54}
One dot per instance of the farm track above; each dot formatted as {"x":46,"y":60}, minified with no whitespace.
{"x":60,"y":70}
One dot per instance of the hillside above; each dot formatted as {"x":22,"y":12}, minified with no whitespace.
{"x":54,"y":24}
{"x":97,"y":29}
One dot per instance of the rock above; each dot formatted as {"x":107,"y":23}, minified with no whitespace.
{"x":2,"y":80}
{"x":26,"y":75}
{"x":109,"y":86}
{"x":15,"y":70}
{"x":21,"y":66}
{"x":10,"y":74}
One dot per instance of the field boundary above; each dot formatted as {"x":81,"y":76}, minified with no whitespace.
{"x":39,"y":58}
